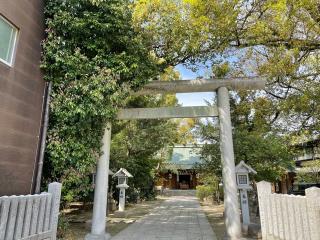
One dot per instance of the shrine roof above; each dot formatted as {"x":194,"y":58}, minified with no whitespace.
{"x":185,"y":156}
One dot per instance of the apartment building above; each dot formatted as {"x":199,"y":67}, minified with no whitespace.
{"x":22,"y":91}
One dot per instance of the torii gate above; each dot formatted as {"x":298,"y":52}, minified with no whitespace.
{"x":222,"y":110}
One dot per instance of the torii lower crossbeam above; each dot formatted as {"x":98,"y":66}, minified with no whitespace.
{"x":167,"y":112}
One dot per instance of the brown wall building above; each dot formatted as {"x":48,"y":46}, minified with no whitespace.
{"x":21,"y":93}
{"x":307,"y":155}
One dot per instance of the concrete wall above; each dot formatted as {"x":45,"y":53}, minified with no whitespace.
{"x":21,"y":97}
{"x":288,"y":217}
{"x":31,"y":216}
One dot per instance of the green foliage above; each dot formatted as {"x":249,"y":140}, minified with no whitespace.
{"x":97,"y":51}
{"x":138,"y":145}
{"x":204,"y":191}
{"x":277,"y":39}
{"x":255,"y":142}
{"x":268,"y":154}
{"x":93,"y":57}
{"x":221,"y":70}
{"x":63,"y":227}
{"x":309,"y":173}
{"x":186,"y":29}
{"x":210,"y":187}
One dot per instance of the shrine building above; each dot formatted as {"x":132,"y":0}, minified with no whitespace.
{"x":179,"y":172}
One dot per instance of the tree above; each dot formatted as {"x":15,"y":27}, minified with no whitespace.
{"x":94,"y":58}
{"x":185,"y":131}
{"x":185,"y":29}
{"x":278,"y":39}
{"x":309,"y":173}
{"x":255,"y":141}
{"x":143,"y":146}
{"x":267,"y":154}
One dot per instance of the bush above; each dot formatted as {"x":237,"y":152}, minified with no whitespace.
{"x":93,"y":57}
{"x":63,"y":226}
{"x":204,"y":191}
{"x":133,"y":195}
{"x":209,"y":191}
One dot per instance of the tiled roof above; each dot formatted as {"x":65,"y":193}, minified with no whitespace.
{"x":185,"y":157}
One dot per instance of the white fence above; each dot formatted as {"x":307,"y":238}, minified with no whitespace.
{"x":289,"y":217}
{"x":30,"y":217}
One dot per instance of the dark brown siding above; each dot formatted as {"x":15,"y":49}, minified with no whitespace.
{"x":21,"y":93}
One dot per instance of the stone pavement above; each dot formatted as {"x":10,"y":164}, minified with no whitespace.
{"x":177,"y":218}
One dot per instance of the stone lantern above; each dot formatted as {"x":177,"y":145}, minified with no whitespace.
{"x":122,"y":176}
{"x":243,"y":183}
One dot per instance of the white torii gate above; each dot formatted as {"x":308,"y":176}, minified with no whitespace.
{"x":222,"y":87}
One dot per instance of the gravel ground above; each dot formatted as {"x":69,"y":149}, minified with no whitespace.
{"x":214,"y":214}
{"x":177,"y":218}
{"x":79,"y":220}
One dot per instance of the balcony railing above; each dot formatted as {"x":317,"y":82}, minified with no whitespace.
{"x":309,"y":156}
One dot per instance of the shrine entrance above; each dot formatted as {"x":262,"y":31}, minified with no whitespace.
{"x":184,"y":181}
{"x":222,"y":110}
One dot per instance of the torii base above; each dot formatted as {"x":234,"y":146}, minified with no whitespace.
{"x":91,"y":236}
{"x":120,"y":214}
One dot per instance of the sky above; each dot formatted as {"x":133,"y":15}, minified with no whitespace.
{"x":193,"y":99}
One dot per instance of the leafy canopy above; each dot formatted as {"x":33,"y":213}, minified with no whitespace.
{"x":93,"y":57}
{"x":278,"y":39}
{"x":255,"y":141}
{"x":310,"y":172}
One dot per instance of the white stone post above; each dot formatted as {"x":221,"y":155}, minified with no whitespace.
{"x":264,"y":190}
{"x":231,"y":204}
{"x":122,"y":199}
{"x":98,"y":228}
{"x":313,"y":206}
{"x":55,"y":189}
{"x":245,"y":207}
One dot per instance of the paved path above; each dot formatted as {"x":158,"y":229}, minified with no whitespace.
{"x":177,"y":218}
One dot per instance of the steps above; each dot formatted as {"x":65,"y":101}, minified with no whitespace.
{"x":178,"y":192}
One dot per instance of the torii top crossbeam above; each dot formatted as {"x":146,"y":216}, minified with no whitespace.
{"x":203,"y":85}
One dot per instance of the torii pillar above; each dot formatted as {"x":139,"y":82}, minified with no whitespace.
{"x":98,"y":227}
{"x":231,"y":204}
{"x":222,"y":87}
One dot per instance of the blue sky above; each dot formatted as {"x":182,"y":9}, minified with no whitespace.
{"x":193,"y":99}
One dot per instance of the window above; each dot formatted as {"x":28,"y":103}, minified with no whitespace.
{"x":122,"y":180}
{"x":242,"y":179}
{"x":8,"y":35}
